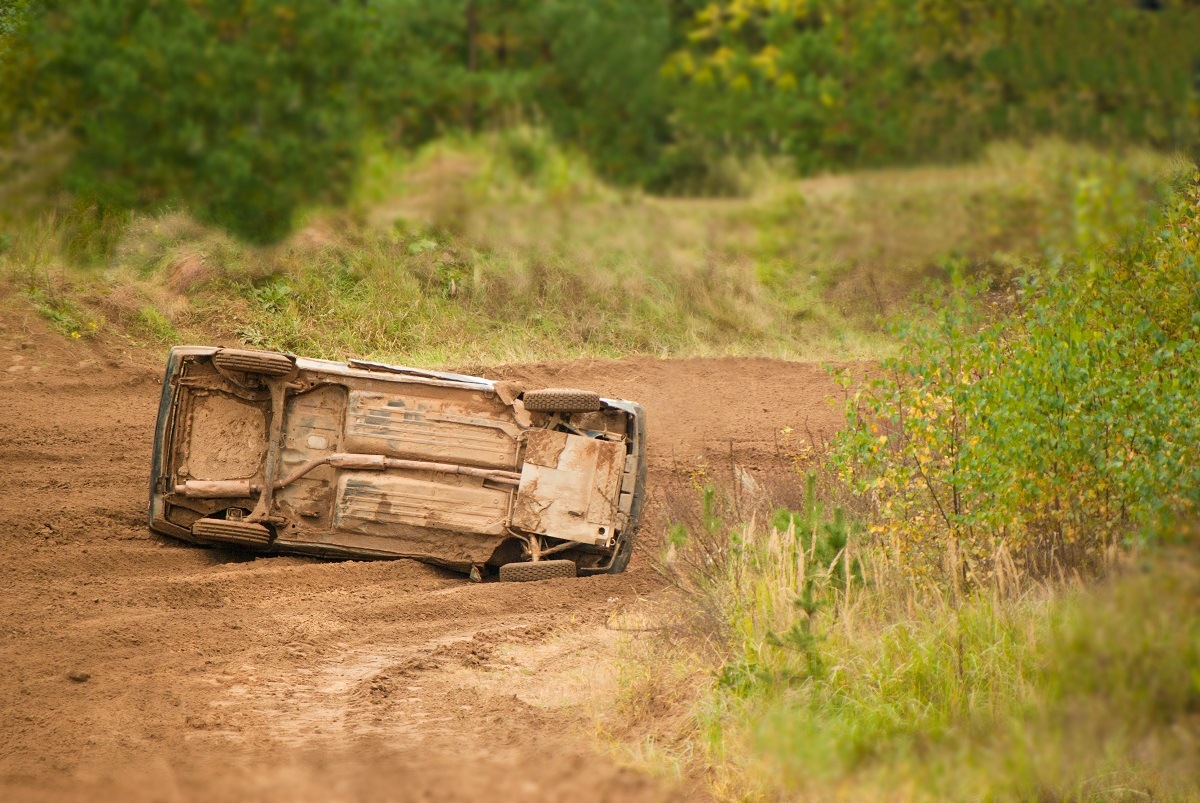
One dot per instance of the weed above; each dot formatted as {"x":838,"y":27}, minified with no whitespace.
{"x":156,"y":325}
{"x":63,"y":312}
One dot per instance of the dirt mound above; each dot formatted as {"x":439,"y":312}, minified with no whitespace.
{"x":138,"y":668}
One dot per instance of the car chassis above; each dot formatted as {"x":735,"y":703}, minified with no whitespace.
{"x":279,"y":454}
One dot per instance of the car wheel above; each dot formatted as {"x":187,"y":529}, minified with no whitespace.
{"x":624,"y":553}
{"x":562,"y":400}
{"x":224,"y":531}
{"x":264,"y":363}
{"x":537,"y":570}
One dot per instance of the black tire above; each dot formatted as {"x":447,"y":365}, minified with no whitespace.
{"x":539,"y":570}
{"x":562,"y":400}
{"x":237,"y":533}
{"x":624,"y":553}
{"x":264,"y":363}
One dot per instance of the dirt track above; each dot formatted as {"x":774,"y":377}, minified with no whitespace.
{"x":213,"y":677}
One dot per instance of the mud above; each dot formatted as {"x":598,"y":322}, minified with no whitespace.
{"x":235,"y":435}
{"x":136,"y":668}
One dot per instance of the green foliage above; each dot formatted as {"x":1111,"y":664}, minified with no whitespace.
{"x":152,"y":323}
{"x":861,"y":82}
{"x":63,"y":312}
{"x":885,"y":688}
{"x":588,"y":70}
{"x":602,"y":89}
{"x":14,"y":16}
{"x":245,"y":112}
{"x":241,"y":111}
{"x":446,"y":65}
{"x":824,"y":534}
{"x":1049,"y":436}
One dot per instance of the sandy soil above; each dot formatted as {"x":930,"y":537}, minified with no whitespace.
{"x":136,"y":668}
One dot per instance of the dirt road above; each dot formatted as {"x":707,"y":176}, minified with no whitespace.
{"x":135,"y":668}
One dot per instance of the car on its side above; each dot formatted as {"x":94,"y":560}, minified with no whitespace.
{"x":275,"y":453}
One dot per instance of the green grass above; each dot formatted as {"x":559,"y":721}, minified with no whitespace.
{"x":778,"y":679}
{"x":1067,"y":695}
{"x":506,"y":248}
{"x":154,"y":325}
{"x":63,"y":312}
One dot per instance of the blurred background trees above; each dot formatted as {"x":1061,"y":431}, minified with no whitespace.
{"x":245,"y":112}
{"x":868,"y":82}
{"x":239,"y":110}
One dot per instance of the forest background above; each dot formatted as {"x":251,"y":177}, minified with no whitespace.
{"x":246,"y":112}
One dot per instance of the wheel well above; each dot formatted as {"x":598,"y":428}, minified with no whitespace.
{"x":510,"y":550}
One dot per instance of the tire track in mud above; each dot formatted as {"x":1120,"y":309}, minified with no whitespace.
{"x":215,"y":677}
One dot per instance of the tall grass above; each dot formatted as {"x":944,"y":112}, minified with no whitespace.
{"x":796,"y":663}
{"x":506,"y":247}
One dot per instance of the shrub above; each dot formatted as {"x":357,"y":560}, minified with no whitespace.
{"x":1048,"y":436}
{"x":862,"y":82}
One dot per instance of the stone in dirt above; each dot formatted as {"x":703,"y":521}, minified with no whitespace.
{"x":79,"y":677}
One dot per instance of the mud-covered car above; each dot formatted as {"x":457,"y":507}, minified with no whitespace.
{"x":279,"y":454}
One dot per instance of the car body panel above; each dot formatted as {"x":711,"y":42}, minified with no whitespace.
{"x":472,"y":431}
{"x":569,"y":487}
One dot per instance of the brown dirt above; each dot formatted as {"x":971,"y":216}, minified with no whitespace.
{"x":214,"y":677}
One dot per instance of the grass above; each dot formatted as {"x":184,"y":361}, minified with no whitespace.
{"x":63,"y":312}
{"x":506,"y":248}
{"x":797,"y":665}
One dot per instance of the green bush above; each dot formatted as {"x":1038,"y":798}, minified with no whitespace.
{"x":1049,"y":435}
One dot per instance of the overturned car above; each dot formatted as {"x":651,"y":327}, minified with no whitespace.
{"x":278,"y":454}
